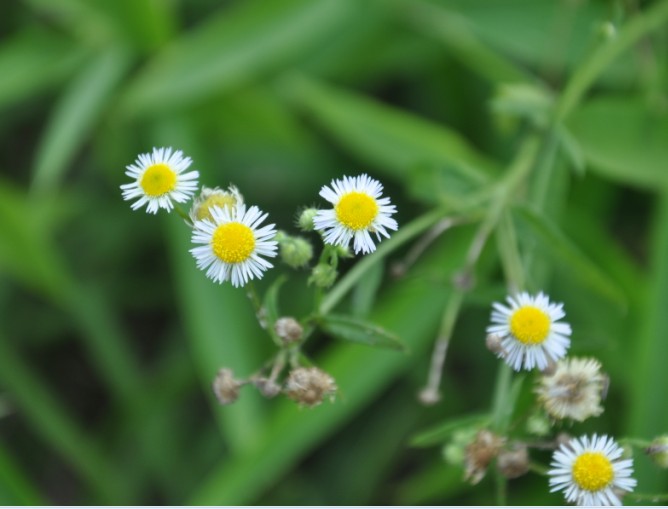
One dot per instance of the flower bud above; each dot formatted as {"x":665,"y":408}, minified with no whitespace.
{"x":323,"y":276}
{"x":288,"y":329}
{"x":295,"y":251}
{"x":455,"y":451}
{"x":226,"y":387}
{"x":538,"y":424}
{"x":658,"y":451}
{"x":513,"y":463}
{"x":309,"y":386}
{"x":305,"y":221}
{"x":210,"y":197}
{"x":493,"y":344}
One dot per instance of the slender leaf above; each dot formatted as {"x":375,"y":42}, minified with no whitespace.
{"x":358,"y":330}
{"x":563,"y":252}
{"x":233,"y":47}
{"x":75,"y":115}
{"x":624,"y":140}
{"x":439,"y":434}
{"x":392,"y":140}
{"x":29,"y":55}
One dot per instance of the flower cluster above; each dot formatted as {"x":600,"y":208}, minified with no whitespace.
{"x":529,"y":333}
{"x":232,"y":244}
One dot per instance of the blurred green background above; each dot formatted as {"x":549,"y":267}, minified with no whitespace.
{"x":109,"y":335}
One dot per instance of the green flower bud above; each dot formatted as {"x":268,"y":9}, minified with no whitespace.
{"x":295,"y":251}
{"x":323,"y":276}
{"x":305,"y":221}
{"x":658,"y":451}
{"x":538,"y":425}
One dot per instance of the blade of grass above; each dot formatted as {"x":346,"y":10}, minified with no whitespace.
{"x":392,"y":140}
{"x":47,"y":418}
{"x":648,"y":416}
{"x":235,"y":46}
{"x":74,"y":117}
{"x":15,"y":487}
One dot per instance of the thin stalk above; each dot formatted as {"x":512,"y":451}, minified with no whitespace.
{"x":405,"y":234}
{"x":431,"y":394}
{"x":639,"y":26}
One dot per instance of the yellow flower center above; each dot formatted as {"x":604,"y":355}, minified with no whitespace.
{"x":222,"y":200}
{"x":356,"y":210}
{"x":530,"y":325}
{"x":158,"y":179}
{"x":592,"y":471}
{"x":233,"y":242}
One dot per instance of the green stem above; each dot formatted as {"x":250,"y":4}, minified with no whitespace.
{"x":641,"y":25}
{"x":650,"y":497}
{"x":184,"y":215}
{"x":430,"y":394}
{"x":405,"y":233}
{"x":538,"y":469}
{"x":500,"y":410}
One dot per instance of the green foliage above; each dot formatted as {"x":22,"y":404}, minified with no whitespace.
{"x":523,"y":143}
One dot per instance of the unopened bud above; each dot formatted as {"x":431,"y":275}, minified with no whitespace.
{"x":226,"y":387}
{"x":288,"y":329}
{"x":493,"y":344}
{"x":343,"y":251}
{"x":323,"y":276}
{"x":305,"y":221}
{"x":538,"y":424}
{"x":658,"y":451}
{"x":454,"y":452}
{"x":214,"y":197}
{"x":295,"y":251}
{"x":309,"y":386}
{"x":513,"y":463}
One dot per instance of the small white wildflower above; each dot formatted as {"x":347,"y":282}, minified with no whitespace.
{"x":589,"y":470}
{"x":530,"y":331}
{"x":358,"y":212}
{"x":233,"y":244}
{"x":159,"y":179}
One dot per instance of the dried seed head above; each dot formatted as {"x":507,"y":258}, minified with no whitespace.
{"x":226,"y":387}
{"x":484,"y":448}
{"x":574,"y":390}
{"x":309,"y":386}
{"x":288,"y":329}
{"x":514,"y":462}
{"x":658,"y":451}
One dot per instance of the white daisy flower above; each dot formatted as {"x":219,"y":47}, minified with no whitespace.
{"x":233,"y":244}
{"x":358,"y":212}
{"x":589,"y":470}
{"x":574,"y":390}
{"x":531,"y":335}
{"x":159,"y":179}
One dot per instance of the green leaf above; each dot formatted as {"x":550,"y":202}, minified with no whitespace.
{"x":623,"y":140}
{"x":236,"y":46}
{"x":440,"y":433}
{"x":394,"y":141}
{"x":358,"y":330}
{"x":563,"y":252}
{"x":456,"y":32}
{"x":75,"y":115}
{"x":15,"y":487}
{"x":31,"y":62}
